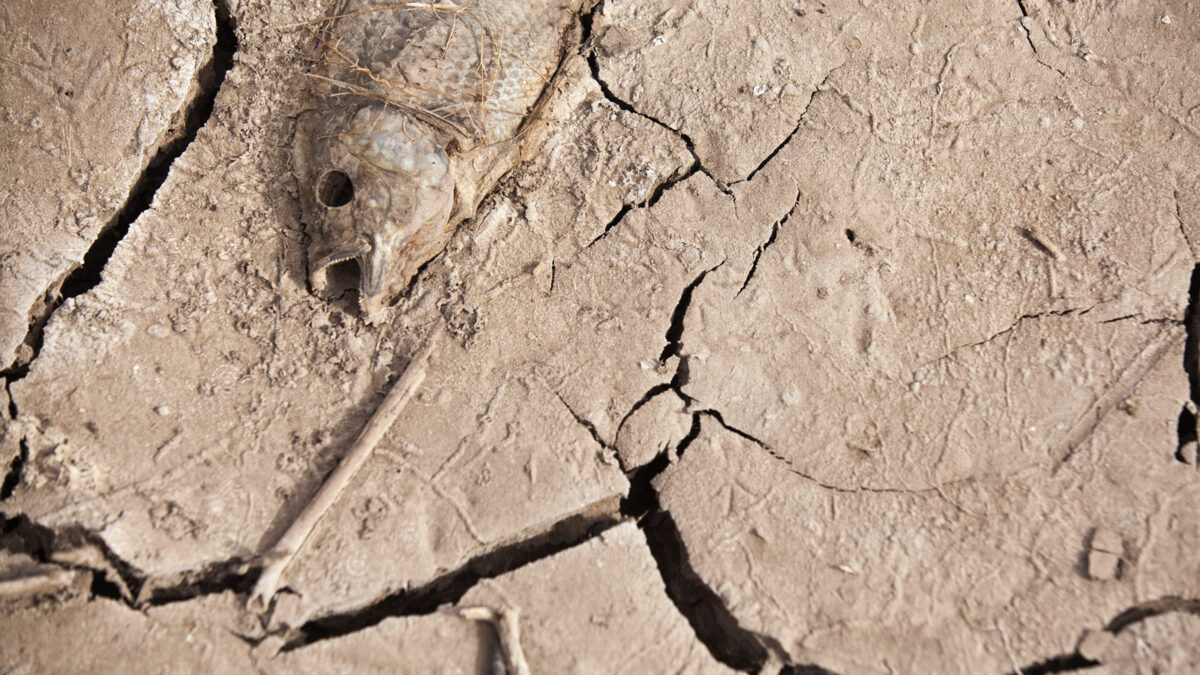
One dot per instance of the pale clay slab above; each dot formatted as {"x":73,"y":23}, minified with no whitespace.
{"x":84,"y":111}
{"x":976,"y":574}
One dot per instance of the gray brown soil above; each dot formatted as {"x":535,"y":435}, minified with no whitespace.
{"x":850,"y":337}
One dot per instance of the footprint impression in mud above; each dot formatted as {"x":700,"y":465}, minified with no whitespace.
{"x":420,"y":108}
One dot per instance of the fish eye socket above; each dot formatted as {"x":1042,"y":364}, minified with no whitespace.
{"x":334,"y":188}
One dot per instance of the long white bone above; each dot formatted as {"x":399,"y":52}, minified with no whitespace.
{"x":284,"y":551}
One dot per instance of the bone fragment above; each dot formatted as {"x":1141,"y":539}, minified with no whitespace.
{"x":507,"y":624}
{"x":282,"y":553}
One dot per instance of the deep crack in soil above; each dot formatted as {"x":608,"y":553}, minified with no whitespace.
{"x":40,"y":542}
{"x":184,"y":127}
{"x":714,"y":624}
{"x":118,"y":582}
{"x":449,"y":588}
{"x":1186,"y":426}
{"x":1058,"y":664}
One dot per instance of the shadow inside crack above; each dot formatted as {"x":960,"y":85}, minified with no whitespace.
{"x":451,"y":587}
{"x":1186,"y":427}
{"x":1152,"y":608}
{"x":13,"y":478}
{"x":119,"y":582}
{"x":1057,"y":664}
{"x":713,"y":623}
{"x":1140,"y":612}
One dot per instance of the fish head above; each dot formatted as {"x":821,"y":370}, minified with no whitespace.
{"x":382,"y":190}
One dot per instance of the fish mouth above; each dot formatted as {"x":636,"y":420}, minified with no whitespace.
{"x":325,"y":274}
{"x":362,"y":269}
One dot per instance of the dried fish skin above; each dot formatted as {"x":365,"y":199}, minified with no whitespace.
{"x":422,"y":106}
{"x":382,"y":199}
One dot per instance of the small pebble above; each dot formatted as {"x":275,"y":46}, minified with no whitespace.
{"x":1107,"y":541}
{"x":1102,"y":565}
{"x":1104,"y":558}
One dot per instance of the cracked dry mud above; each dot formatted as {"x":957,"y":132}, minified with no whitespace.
{"x":819,"y":337}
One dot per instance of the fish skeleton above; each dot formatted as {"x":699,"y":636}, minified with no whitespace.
{"x":423,"y":106}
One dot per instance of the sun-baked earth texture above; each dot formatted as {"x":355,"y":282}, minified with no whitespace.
{"x":851,"y":335}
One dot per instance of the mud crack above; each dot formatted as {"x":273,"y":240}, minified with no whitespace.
{"x":715,"y":626}
{"x":588,"y":50}
{"x":1179,"y":220}
{"x":1135,"y":614}
{"x":450,"y":588}
{"x":585,"y":423}
{"x":1057,"y":664}
{"x":950,"y":354}
{"x":821,"y":86}
{"x":767,"y":244}
{"x":712,"y":622}
{"x":675,"y":329}
{"x":79,"y":549}
{"x":1025,"y":29}
{"x":586,"y":21}
{"x":656,"y":194}
{"x":13,"y":478}
{"x":184,"y":127}
{"x":1186,"y":427}
{"x":1029,"y":38}
{"x":75,"y":547}
{"x":72,"y":548}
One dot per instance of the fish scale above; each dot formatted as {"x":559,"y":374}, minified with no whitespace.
{"x":421,"y":107}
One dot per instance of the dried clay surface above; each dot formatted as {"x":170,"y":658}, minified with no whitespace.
{"x":1161,"y":644}
{"x":90,"y":94}
{"x":573,"y":619}
{"x":839,"y":336}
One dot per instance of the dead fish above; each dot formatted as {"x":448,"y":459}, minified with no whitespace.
{"x":422,"y":107}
